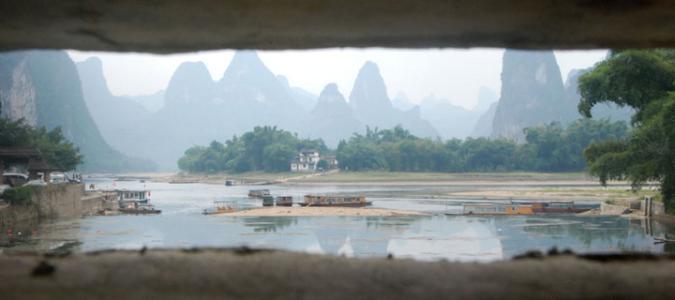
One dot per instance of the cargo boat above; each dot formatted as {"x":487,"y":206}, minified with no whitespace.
{"x":268,"y":200}
{"x":559,"y":207}
{"x":341,"y":201}
{"x":497,"y":209}
{"x":284,"y":201}
{"x":258,"y":193}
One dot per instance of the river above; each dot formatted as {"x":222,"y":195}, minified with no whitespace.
{"x":433,"y":237}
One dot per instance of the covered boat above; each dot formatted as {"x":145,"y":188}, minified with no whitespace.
{"x":329,"y":200}
{"x":221,"y":207}
{"x":258,"y":193}
{"x":284,"y":201}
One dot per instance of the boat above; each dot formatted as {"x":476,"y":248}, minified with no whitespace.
{"x":497,"y":209}
{"x":138,"y":208}
{"x":268,"y":200}
{"x":284,"y":201}
{"x":559,"y":207}
{"x":330,"y":200}
{"x":221,"y":207}
{"x":258,"y":193}
{"x":135,"y":202}
{"x":140,"y":196}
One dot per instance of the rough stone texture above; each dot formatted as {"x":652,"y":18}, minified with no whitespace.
{"x":173,"y":26}
{"x":219,"y":274}
{"x":52,"y":202}
{"x":18,"y":102}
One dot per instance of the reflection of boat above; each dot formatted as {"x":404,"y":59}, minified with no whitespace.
{"x":343,"y":201}
{"x":268,"y":200}
{"x":284,"y":201}
{"x":220,"y":208}
{"x":258,"y":193}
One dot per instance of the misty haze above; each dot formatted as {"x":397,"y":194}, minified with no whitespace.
{"x":423,"y":154}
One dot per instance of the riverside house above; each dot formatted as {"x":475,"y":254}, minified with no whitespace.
{"x":306,"y":161}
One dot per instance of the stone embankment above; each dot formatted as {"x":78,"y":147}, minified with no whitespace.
{"x":56,"y":201}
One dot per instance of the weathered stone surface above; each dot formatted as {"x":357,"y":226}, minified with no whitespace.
{"x":17,"y":95}
{"x":172,"y":26}
{"x":221,"y":274}
{"x":532,"y":94}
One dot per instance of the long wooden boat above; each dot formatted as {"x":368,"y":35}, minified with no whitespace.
{"x":497,"y":209}
{"x":559,"y":207}
{"x":258,"y":193}
{"x":337,"y":201}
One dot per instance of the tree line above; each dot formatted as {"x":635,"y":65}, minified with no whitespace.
{"x":263,"y":149}
{"x":548,"y":148}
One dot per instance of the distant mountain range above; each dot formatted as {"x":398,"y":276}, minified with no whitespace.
{"x":47,"y":89}
{"x":533,"y":94}
{"x":43,"y":88}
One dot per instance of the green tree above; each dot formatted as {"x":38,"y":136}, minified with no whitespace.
{"x":277,"y":157}
{"x":644,"y":81}
{"x":53,"y":146}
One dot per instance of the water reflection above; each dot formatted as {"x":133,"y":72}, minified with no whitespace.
{"x":434,"y":237}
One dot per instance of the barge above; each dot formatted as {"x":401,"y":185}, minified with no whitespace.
{"x":284,"y":201}
{"x":341,"y":201}
{"x":258,"y":193}
{"x":497,"y":209}
{"x":268,"y":200}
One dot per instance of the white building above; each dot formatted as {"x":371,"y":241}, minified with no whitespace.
{"x":305,"y":161}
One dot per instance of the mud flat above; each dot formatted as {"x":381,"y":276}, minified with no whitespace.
{"x":320,"y":212}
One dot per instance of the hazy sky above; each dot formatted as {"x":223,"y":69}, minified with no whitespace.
{"x":454,"y":74}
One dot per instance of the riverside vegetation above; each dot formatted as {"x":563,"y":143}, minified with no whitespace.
{"x":549,"y":148}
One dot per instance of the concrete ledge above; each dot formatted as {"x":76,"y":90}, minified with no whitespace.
{"x":175,"y":26}
{"x":218,"y":274}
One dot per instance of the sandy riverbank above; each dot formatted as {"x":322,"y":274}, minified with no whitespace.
{"x":320,"y":212}
{"x":614,"y":194}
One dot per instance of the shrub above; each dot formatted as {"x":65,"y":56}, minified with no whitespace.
{"x":18,"y":195}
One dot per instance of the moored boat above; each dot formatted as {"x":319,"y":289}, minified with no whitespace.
{"x":268,"y":200}
{"x":258,"y":193}
{"x":341,"y":201}
{"x":284,"y":201}
{"x":138,"y":209}
{"x":559,"y":207}
{"x":221,"y":207}
{"x":497,"y":209}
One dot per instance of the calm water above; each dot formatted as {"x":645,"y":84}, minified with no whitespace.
{"x":438,"y":236}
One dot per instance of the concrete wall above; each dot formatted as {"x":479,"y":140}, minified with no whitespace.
{"x":56,"y":201}
{"x":59,"y":200}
